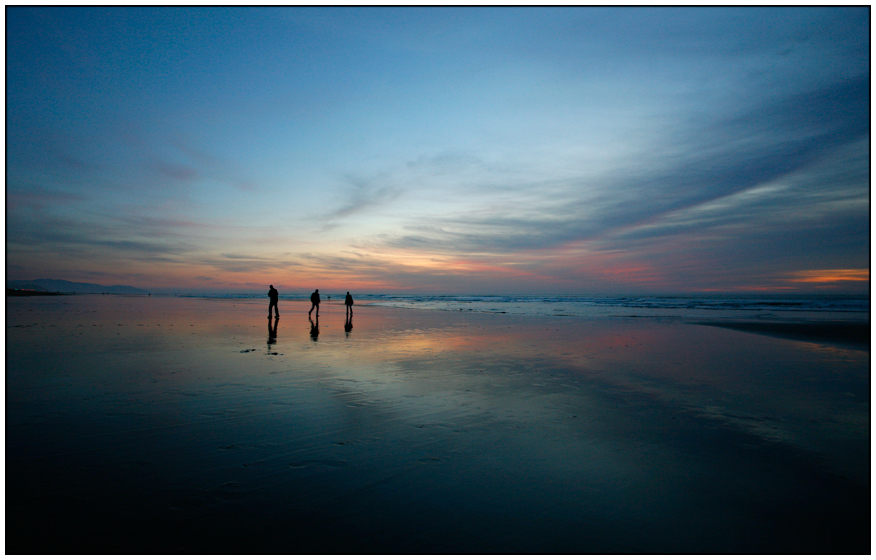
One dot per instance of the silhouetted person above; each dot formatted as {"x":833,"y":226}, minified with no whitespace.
{"x":314,"y":300}
{"x":314,"y":327}
{"x":272,"y":293}
{"x":272,"y":331}
{"x":349,"y":303}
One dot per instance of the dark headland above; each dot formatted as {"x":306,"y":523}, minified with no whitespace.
{"x":46,"y":286}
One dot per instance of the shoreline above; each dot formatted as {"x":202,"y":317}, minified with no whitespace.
{"x":848,"y":330}
{"x":15,"y":292}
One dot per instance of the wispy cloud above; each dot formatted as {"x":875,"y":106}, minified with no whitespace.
{"x":38,"y":198}
{"x":175,"y":171}
{"x":731,"y":166}
{"x":247,"y":263}
{"x":364,"y":195}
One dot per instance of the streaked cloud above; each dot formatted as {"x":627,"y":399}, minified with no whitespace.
{"x":364,"y":196}
{"x":832,"y":276}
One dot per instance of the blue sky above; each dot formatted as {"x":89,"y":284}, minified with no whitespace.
{"x":472,"y":150}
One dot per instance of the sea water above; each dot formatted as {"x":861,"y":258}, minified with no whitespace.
{"x":708,"y":306}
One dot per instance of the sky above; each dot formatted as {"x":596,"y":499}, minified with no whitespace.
{"x":577,"y":150}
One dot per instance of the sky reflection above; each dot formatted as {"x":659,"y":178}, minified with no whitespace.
{"x":426,"y":431}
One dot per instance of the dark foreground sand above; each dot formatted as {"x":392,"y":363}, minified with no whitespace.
{"x":168,"y":425}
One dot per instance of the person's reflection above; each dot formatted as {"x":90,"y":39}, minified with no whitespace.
{"x":314,"y":327}
{"x":272,"y":332}
{"x":348,"y":324}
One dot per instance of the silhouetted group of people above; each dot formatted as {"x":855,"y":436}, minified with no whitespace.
{"x":274,"y":297}
{"x":273,"y":311}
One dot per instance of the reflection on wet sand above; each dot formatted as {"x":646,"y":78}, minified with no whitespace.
{"x":426,"y":432}
{"x":272,"y":331}
{"x":314,"y":328}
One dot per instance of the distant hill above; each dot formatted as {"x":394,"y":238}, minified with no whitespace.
{"x":48,"y":285}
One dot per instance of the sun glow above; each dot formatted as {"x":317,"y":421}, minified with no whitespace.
{"x":831,"y":276}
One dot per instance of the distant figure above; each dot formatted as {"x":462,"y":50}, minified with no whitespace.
{"x":272,"y":293}
{"x":314,"y":327}
{"x":349,"y":303}
{"x":314,"y":299}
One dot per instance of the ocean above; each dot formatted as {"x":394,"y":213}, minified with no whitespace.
{"x":749,"y":307}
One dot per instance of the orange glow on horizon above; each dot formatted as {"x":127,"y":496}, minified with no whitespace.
{"x":831,"y":276}
{"x":750,"y":289}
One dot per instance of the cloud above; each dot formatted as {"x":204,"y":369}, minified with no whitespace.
{"x":55,"y":233}
{"x":450,"y":162}
{"x":756,"y":190}
{"x":741,"y":153}
{"x":245,"y":263}
{"x":64,"y":238}
{"x":364,"y":195}
{"x":39,"y":198}
{"x":831,"y":276}
{"x":175,"y":171}
{"x":699,"y":169}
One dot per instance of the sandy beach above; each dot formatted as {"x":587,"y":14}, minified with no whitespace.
{"x":155,"y":425}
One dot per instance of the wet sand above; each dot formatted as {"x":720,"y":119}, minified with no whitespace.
{"x":173,"y":425}
{"x":846,"y":334}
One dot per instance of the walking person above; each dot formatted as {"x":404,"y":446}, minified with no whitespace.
{"x":314,"y":300}
{"x":349,"y":303}
{"x":272,"y":293}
